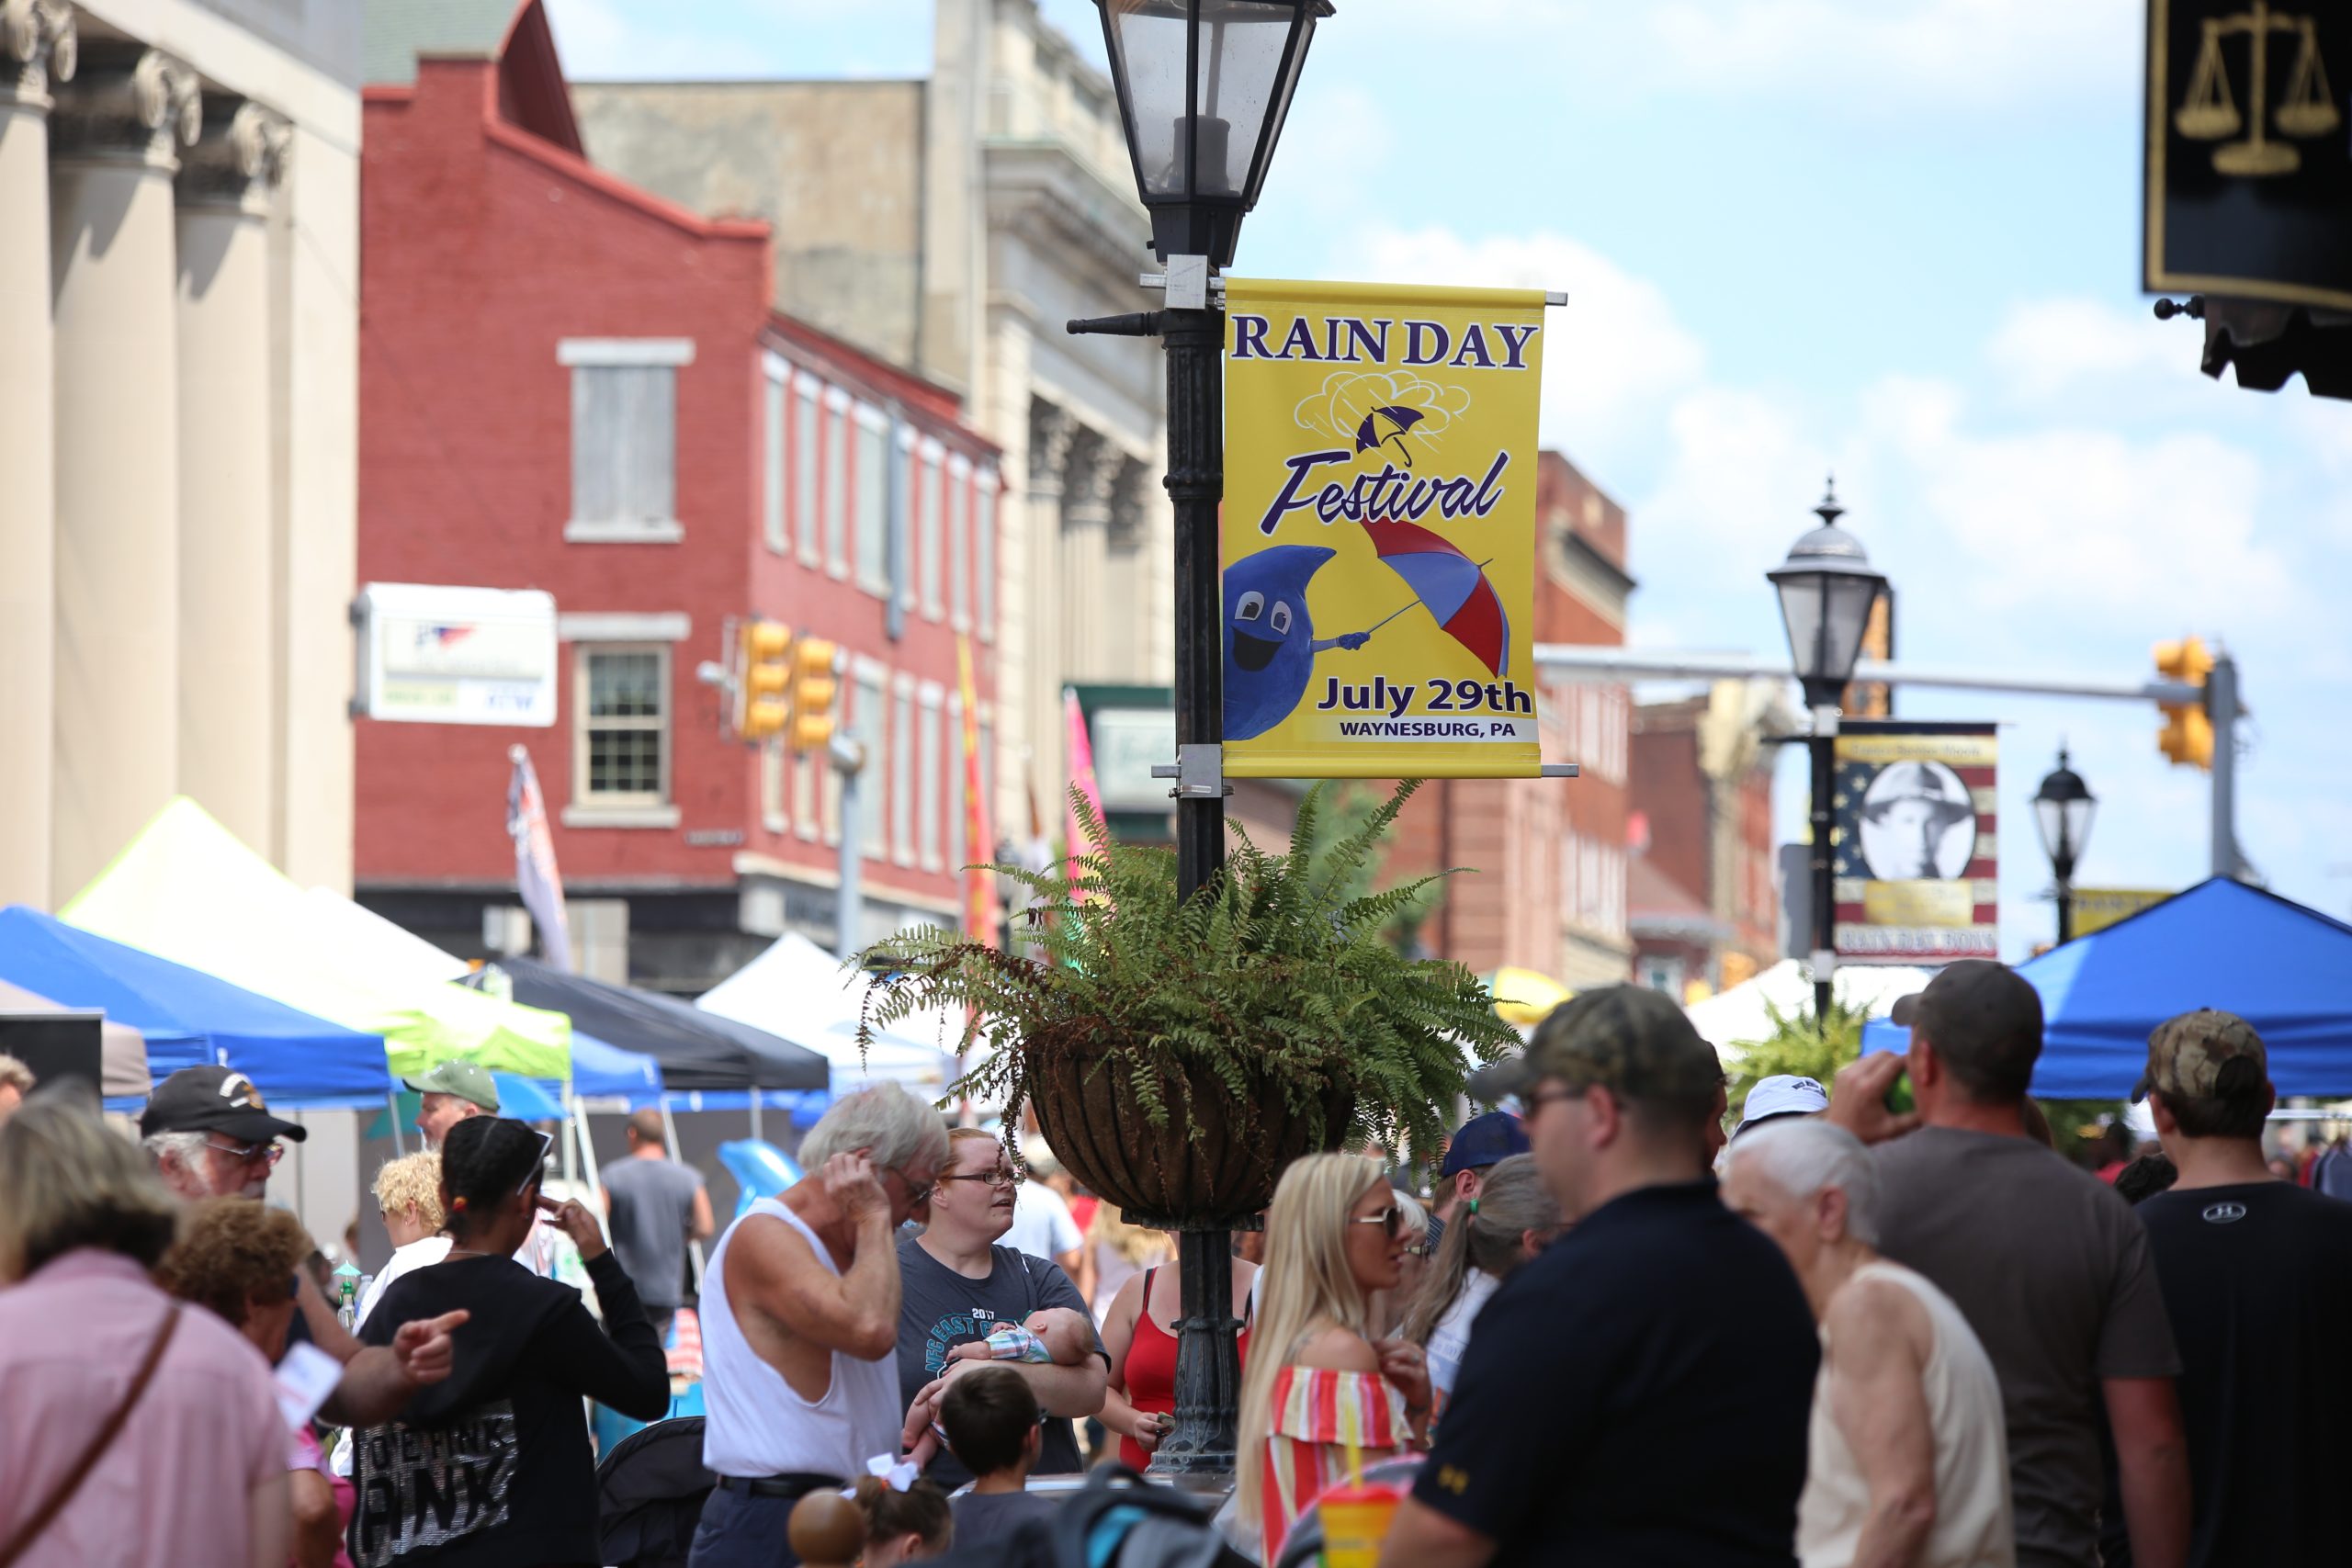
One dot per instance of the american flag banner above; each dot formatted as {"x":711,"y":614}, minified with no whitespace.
{"x":536,"y":876}
{"x":1914,"y":849}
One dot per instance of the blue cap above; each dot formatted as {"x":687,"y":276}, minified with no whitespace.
{"x":1483,"y":1141}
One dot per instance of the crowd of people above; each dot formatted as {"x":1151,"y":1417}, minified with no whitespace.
{"x":1847,"y":1335}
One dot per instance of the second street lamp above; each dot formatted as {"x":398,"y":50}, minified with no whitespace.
{"x":2062,"y":808}
{"x":1827,"y":589}
{"x":1203,"y":88}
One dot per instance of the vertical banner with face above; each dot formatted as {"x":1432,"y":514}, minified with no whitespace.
{"x":1916,"y":857}
{"x":1379,"y":532}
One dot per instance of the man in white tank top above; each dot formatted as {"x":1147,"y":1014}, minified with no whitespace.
{"x":800,"y":1325}
{"x":1907,"y":1465}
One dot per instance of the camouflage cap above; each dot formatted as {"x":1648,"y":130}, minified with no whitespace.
{"x":2186,"y":1055}
{"x":1630,"y":1039}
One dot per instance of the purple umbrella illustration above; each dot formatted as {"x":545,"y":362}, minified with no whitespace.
{"x":1387,"y":423}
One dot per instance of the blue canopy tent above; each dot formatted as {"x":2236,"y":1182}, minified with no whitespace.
{"x":606,"y":1072}
{"x":190,"y":1019}
{"x":2284,"y":968}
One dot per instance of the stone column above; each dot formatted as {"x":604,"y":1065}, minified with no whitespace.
{"x":1051,"y":430}
{"x":1127,"y":580}
{"x":37,"y":43}
{"x":226,"y":612}
{"x":1086,"y":528}
{"x":115,"y":134}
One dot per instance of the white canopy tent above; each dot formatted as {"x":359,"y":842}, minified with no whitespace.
{"x":799,"y":991}
{"x":1740,"y":1014}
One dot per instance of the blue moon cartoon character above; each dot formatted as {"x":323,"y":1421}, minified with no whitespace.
{"x":1270,"y":644}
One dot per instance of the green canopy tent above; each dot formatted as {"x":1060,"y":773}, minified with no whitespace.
{"x":185,"y":888}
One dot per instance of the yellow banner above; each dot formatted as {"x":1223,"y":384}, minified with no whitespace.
{"x":2096,"y":909}
{"x":1379,"y":532}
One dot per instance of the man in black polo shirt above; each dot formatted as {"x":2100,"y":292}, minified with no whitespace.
{"x":1638,"y":1393}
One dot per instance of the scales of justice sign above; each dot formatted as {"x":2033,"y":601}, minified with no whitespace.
{"x":1379,"y":531}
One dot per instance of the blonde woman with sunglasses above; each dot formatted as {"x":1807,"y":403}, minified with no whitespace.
{"x":1335,"y":1236}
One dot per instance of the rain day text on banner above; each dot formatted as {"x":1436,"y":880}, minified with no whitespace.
{"x":1379,"y":530}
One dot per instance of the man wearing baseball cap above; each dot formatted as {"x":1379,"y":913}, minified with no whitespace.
{"x":2048,"y":1265}
{"x":451,"y":1093}
{"x":1476,"y":1147}
{"x":1639,"y":1393}
{"x":2255,"y":1274}
{"x":211,"y":1136}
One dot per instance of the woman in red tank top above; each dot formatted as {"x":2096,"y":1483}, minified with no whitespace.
{"x":1139,"y":1335}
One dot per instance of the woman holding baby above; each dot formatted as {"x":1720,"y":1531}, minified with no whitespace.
{"x":960,"y":1287}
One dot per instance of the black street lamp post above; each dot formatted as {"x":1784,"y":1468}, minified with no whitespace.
{"x":1827,"y":589}
{"x":2062,"y":808}
{"x":1203,"y":88}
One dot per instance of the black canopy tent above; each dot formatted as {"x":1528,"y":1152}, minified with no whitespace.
{"x":699,"y":1050}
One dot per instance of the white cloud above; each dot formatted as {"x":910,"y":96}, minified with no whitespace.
{"x":2050,"y":347}
{"x":1614,"y":358}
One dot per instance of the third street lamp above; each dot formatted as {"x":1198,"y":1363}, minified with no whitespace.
{"x":1203,"y":88}
{"x":2062,"y":808}
{"x":1827,"y":589}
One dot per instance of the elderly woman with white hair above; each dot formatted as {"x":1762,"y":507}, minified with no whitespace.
{"x":1907,"y":1464}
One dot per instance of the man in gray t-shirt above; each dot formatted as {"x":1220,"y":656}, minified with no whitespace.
{"x":2049,"y":1265}
{"x":653,"y":1207}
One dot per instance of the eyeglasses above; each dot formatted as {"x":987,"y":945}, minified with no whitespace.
{"x":249,"y":1153}
{"x":1002,"y":1176}
{"x":1390,"y":1220}
{"x":1536,"y":1102}
{"x":918,"y":1193}
{"x":538,"y":1166}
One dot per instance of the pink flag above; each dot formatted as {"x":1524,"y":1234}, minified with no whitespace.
{"x":981,"y":914}
{"x":1082,"y":772}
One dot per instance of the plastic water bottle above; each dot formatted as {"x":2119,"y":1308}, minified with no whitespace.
{"x":346,"y":1291}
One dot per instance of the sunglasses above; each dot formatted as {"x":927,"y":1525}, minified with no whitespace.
{"x":249,"y":1153}
{"x":538,"y":1166}
{"x":1390,"y":1220}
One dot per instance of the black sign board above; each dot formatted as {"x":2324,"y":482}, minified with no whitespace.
{"x":56,"y":1046}
{"x":2249,"y":150}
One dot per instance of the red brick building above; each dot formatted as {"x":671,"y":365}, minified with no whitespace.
{"x":1706,"y":907}
{"x":1550,"y":891}
{"x":569,"y":384}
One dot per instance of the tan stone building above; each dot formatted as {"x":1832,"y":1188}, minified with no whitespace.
{"x":179,"y":327}
{"x":952,"y":224}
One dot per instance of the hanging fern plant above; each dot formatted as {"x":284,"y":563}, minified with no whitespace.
{"x":1180,"y":1053}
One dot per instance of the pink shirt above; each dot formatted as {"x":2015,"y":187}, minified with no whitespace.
{"x":173,"y":1486}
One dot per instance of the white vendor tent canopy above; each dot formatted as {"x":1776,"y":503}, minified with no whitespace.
{"x":1740,"y":1015}
{"x":799,"y":991}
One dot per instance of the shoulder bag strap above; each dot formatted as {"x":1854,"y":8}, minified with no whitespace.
{"x":94,"y":1450}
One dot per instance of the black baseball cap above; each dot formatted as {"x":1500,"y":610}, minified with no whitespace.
{"x":1983,"y":1017}
{"x":1484,"y":1140}
{"x":214,"y":1099}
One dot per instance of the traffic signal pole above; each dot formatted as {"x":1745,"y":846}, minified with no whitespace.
{"x":2218,"y":698}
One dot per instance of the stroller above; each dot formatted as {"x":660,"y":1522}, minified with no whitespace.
{"x":650,"y":1493}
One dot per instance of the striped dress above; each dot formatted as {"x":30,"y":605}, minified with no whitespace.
{"x":1318,"y":1413}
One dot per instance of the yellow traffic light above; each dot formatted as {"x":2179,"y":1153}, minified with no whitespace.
{"x":2187,"y":736}
{"x":813,"y":690}
{"x":765,"y":697}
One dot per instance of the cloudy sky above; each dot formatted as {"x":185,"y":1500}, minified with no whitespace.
{"x":1894,"y":238}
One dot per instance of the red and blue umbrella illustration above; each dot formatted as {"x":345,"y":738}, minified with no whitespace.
{"x":1451,"y":586}
{"x":1387,"y":423}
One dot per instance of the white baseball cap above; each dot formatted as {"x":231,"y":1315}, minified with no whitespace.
{"x":1783,"y":1094}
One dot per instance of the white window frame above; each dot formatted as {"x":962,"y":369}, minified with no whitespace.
{"x":635,"y":809}
{"x":903,"y":795}
{"x":959,"y":541}
{"x":930,"y":554}
{"x":774,"y":469}
{"x":985,"y":497}
{"x":590,"y":354}
{"x":874,"y":492}
{"x":808,"y":815}
{"x":836,"y":481}
{"x":931,"y":760}
{"x":775,"y":765}
{"x":808,"y":468}
{"x":907,"y":454}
